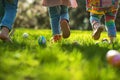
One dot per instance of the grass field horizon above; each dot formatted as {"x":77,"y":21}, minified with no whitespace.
{"x":75,"y":58}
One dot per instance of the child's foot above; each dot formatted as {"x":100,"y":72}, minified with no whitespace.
{"x":97,"y":32}
{"x":56,"y":38}
{"x":65,"y":28}
{"x":4,"y":35}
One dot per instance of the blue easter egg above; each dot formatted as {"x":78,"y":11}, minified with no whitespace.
{"x":42,"y":40}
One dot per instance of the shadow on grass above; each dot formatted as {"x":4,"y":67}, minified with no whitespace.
{"x":89,"y":51}
{"x":16,"y":46}
{"x":95,"y":55}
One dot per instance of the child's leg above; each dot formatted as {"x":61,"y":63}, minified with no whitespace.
{"x":95,"y":20}
{"x":110,"y":24}
{"x":64,"y":13}
{"x":8,"y":19}
{"x":96,"y":25}
{"x":10,"y":14}
{"x":54,"y":13}
{"x":64,"y":23}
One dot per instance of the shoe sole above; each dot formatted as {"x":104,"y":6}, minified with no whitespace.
{"x":65,"y":29}
{"x":97,"y":33}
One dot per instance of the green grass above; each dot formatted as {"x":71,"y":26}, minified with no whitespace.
{"x":26,"y":60}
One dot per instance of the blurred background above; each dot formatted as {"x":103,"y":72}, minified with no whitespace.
{"x":31,"y":14}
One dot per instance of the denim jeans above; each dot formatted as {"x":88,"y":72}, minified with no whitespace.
{"x":57,"y":13}
{"x":8,"y":16}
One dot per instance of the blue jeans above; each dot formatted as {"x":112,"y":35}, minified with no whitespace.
{"x":10,"y":10}
{"x":57,"y":13}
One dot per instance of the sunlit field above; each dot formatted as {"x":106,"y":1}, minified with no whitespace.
{"x":75,"y":58}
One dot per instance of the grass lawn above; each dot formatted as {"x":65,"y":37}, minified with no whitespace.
{"x":25,"y":59}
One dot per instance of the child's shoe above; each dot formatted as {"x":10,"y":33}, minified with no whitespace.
{"x":97,"y":32}
{"x":65,"y":28}
{"x":56,"y":38}
{"x":4,"y":34}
